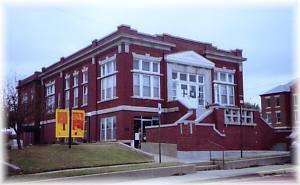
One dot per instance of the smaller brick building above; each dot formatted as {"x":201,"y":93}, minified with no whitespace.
{"x":279,"y":106}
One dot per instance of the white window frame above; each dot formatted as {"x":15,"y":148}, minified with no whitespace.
{"x":227,"y":83}
{"x":104,"y":133}
{"x":151,"y":73}
{"x":75,"y":79}
{"x":176,"y":85}
{"x":275,"y":97}
{"x":50,"y":96}
{"x":269,"y":117}
{"x":105,"y":86}
{"x":269,"y":98}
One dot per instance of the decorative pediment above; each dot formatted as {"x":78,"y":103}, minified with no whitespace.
{"x":190,"y":58}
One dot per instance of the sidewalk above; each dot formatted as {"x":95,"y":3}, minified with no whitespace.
{"x":213,"y":175}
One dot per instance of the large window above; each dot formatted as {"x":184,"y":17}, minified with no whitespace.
{"x":108,"y":129}
{"x":108,"y":79}
{"x":75,"y":76}
{"x":67,"y":82}
{"x":146,"y":86}
{"x":224,"y":88}
{"x":188,"y":85}
{"x":108,"y":88}
{"x":50,"y":97}
{"x":146,"y":79}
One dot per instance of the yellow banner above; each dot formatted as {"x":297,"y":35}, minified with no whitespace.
{"x":78,"y":123}
{"x":62,"y":123}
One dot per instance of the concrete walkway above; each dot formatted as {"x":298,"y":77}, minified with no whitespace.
{"x":210,"y":176}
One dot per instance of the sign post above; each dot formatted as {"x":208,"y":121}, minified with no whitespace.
{"x":159,"y":143}
{"x":70,"y":128}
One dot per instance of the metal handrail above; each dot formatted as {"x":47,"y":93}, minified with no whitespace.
{"x":223,"y":154}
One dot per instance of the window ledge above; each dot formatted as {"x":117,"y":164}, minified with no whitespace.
{"x":100,"y":77}
{"x":75,"y":86}
{"x":74,"y":107}
{"x":148,"y":98}
{"x":83,"y":83}
{"x":67,"y":89}
{"x":146,"y":72}
{"x":243,"y":124}
{"x":83,"y":105}
{"x":107,"y":100}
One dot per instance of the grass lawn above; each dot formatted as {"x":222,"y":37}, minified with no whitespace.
{"x":87,"y":171}
{"x":34,"y":159}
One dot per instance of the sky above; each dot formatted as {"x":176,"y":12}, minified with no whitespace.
{"x":37,"y":35}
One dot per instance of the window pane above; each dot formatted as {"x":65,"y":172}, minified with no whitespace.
{"x":201,"y":79}
{"x":230,"y":78}
{"x":223,"y":77}
{"x":183,"y":77}
{"x":192,"y":78}
{"x":193,"y":91}
{"x":155,"y":67}
{"x":156,"y":86}
{"x":146,"y":85}
{"x":136,"y":85}
{"x":136,"y":64}
{"x":146,"y":66}
{"x":174,"y":75}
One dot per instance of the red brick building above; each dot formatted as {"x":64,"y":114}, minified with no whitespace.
{"x":279,"y":106}
{"x":120,"y":79}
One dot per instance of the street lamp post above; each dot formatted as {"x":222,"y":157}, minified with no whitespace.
{"x":70,"y":128}
{"x":241,"y":128}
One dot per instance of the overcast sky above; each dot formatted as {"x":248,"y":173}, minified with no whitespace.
{"x":38,"y":35}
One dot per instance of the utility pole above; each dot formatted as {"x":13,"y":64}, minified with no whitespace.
{"x":159,"y":143}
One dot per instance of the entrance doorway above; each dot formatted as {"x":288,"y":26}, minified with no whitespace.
{"x":140,"y":123}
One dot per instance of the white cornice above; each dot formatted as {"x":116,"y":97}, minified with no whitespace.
{"x":146,"y":57}
{"x":107,"y":59}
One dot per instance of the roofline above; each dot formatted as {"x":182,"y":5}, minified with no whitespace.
{"x":264,"y":94}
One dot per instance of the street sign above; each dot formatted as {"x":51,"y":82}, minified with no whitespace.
{"x":78,"y":123}
{"x":62,"y":123}
{"x":159,"y":108}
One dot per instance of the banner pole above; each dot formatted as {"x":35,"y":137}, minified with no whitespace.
{"x":70,"y":128}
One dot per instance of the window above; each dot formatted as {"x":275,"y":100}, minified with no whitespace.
{"x":67,"y":82}
{"x":108,"y":88}
{"x":75,"y":97}
{"x":50,"y":97}
{"x":189,"y":85}
{"x":75,"y":76}
{"x":224,"y":88}
{"x":278,"y":117}
{"x":146,"y":79}
{"x":108,"y":68}
{"x":296,"y":119}
{"x":67,"y":99}
{"x":268,"y":117}
{"x":268,"y":102}
{"x":146,"y":65}
{"x":277,"y":101}
{"x":85,"y":95}
{"x":183,"y":77}
{"x":155,"y":86}
{"x":108,"y":129}
{"x":232,"y":116}
{"x":85,"y":75}
{"x":201,"y":95}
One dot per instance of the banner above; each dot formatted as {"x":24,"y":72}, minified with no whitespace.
{"x":62,"y":123}
{"x":78,"y":123}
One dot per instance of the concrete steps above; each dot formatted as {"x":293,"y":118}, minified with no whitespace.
{"x":207,"y":167}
